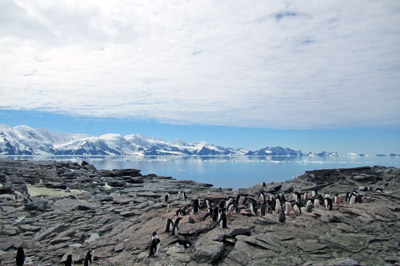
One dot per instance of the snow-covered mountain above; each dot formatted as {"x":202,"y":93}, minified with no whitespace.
{"x":23,"y":140}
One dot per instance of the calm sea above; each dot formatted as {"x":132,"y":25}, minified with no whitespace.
{"x":232,"y":172}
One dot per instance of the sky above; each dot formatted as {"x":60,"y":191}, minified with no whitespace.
{"x":311,"y":75}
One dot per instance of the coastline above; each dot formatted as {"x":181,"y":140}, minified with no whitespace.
{"x":114,"y":212}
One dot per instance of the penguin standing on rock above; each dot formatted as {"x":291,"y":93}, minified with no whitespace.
{"x":222,"y":220}
{"x":170,"y":225}
{"x":20,"y":257}
{"x":176,"y":226}
{"x":196,"y":206}
{"x":154,"y":247}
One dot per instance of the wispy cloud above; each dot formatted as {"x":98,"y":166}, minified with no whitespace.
{"x":273,"y":64}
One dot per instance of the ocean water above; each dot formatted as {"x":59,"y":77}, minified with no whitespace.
{"x":229,"y":172}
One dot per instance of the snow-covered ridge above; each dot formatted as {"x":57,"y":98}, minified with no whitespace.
{"x":23,"y":140}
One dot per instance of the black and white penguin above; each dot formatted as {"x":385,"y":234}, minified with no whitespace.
{"x":154,"y":247}
{"x":282,"y":216}
{"x":20,"y":257}
{"x":262,"y":197}
{"x":215,"y":214}
{"x":378,"y":189}
{"x":154,"y":235}
{"x":264,"y":184}
{"x":176,"y":226}
{"x":205,"y":204}
{"x":69,"y":261}
{"x":166,"y":197}
{"x":263,"y":209}
{"x":278,"y":206}
{"x":336,"y":199}
{"x":297,"y":197}
{"x":296,"y":209}
{"x":288,"y":208}
{"x":195,"y":206}
{"x":222,"y":220}
{"x":183,"y":242}
{"x":305,"y":196}
{"x":170,"y":225}
{"x":352,"y":199}
{"x":88,"y":258}
{"x":208,"y":214}
{"x":184,"y":197}
{"x":253,"y":208}
{"x":314,"y":193}
{"x":328,"y":203}
{"x":309,"y":205}
{"x":233,"y":206}
{"x":181,"y":212}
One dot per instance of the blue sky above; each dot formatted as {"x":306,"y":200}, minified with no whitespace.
{"x":310,"y":75}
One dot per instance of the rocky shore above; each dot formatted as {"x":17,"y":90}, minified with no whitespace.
{"x":53,"y":209}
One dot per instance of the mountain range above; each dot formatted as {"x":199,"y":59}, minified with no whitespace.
{"x":23,"y":140}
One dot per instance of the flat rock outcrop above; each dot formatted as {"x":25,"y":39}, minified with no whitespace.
{"x":53,"y":209}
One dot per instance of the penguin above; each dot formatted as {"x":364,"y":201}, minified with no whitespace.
{"x":309,"y":205}
{"x":282,"y":216}
{"x":88,"y":258}
{"x":378,"y":189}
{"x":263,"y":209}
{"x":264,"y":184}
{"x":20,"y":257}
{"x":215,"y":214}
{"x":278,"y":206}
{"x":232,"y":206}
{"x":337,"y":199}
{"x":154,"y":246}
{"x":288,"y":208}
{"x":196,"y":206}
{"x":297,"y":209}
{"x":184,"y":197}
{"x":230,"y":201}
{"x":222,"y":220}
{"x":262,"y":197}
{"x":208,"y":214}
{"x":166,"y":197}
{"x":181,"y":212}
{"x":170,"y":225}
{"x":179,"y":195}
{"x":297,"y":197}
{"x":168,"y":207}
{"x":183,"y":242}
{"x":328,"y":203}
{"x":352,"y":199}
{"x":154,"y":235}
{"x":205,"y":204}
{"x":317,"y":203}
{"x":314,"y":193}
{"x":222,"y":204}
{"x":69,"y":261}
{"x":253,"y":208}
{"x":305,"y":196}
{"x":176,"y":226}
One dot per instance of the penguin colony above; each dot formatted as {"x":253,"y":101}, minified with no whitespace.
{"x":219,"y":211}
{"x":244,"y":204}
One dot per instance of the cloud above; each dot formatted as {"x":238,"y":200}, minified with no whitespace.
{"x":302,"y":64}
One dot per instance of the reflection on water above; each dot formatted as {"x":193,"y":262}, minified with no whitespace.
{"x":225,"y":171}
